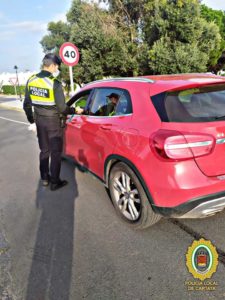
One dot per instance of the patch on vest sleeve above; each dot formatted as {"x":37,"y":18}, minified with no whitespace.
{"x":39,"y":92}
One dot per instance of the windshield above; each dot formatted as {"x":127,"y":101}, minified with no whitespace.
{"x":202,"y":104}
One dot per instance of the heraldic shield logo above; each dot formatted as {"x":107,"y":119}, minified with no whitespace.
{"x":202,"y":259}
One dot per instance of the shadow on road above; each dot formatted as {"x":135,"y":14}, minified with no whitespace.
{"x":52,"y":255}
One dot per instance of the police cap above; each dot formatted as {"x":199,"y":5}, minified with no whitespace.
{"x":113,"y":95}
{"x":52,"y":58}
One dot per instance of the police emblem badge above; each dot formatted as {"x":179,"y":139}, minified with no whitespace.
{"x":202,"y":259}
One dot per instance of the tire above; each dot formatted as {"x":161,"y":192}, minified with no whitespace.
{"x":129,"y":198}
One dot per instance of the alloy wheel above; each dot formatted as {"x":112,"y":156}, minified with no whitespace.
{"x":127,"y":196}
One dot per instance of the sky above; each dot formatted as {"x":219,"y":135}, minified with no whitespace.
{"x":215,"y":4}
{"x":23,"y":23}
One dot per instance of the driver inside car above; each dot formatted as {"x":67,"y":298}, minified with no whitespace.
{"x":109,"y":109}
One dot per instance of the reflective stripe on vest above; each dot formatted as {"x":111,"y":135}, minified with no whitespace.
{"x":41,"y":90}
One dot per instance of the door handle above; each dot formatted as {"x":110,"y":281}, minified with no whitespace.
{"x":75,"y":123}
{"x":106,"y":127}
{"x":78,"y":126}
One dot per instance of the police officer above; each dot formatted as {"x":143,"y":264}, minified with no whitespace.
{"x":45,"y":94}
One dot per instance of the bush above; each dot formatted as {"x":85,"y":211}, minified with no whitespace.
{"x":10,"y":90}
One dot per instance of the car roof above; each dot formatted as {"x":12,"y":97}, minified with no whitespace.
{"x":160,"y":83}
{"x":184,"y":76}
{"x":183,"y":81}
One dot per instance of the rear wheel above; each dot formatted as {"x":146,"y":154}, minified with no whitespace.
{"x":129,"y":197}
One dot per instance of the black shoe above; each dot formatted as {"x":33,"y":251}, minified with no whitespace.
{"x":58,"y":185}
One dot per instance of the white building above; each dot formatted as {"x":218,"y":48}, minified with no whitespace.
{"x":11,"y":78}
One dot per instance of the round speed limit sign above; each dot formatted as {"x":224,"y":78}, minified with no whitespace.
{"x":69,"y":54}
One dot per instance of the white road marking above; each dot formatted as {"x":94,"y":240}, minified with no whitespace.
{"x":14,"y":121}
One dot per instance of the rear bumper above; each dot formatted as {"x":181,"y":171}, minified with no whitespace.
{"x":196,"y":208}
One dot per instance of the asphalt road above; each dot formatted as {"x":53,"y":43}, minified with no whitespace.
{"x":70,"y":244}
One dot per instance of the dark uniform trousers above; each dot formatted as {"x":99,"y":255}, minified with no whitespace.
{"x":50,"y":139}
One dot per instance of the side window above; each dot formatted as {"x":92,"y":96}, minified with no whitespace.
{"x":98,"y":103}
{"x":80,"y":99}
{"x":110,"y":102}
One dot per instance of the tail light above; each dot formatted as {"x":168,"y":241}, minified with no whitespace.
{"x":174,"y":145}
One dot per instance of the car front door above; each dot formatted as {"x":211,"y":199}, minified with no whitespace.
{"x":100,"y":130}
{"x":72,"y":142}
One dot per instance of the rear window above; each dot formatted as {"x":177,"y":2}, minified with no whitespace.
{"x":202,"y":104}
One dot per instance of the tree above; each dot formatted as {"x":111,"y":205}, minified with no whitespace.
{"x":178,"y":38}
{"x":172,"y":57}
{"x":216,"y":17}
{"x":59,"y":32}
{"x":104,"y":46}
{"x":128,"y":16}
{"x":136,"y":37}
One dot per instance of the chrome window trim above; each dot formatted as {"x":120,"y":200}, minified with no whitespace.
{"x":126,"y":115}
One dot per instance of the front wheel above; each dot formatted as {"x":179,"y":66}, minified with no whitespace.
{"x":129,"y":197}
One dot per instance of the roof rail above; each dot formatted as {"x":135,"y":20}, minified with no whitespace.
{"x":136,"y":79}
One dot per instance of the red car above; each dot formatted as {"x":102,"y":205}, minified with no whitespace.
{"x":158,"y":146}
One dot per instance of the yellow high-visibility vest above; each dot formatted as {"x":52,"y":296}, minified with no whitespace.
{"x":41,"y":90}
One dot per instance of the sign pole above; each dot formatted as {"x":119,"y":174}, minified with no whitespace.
{"x":16,"y":68}
{"x":11,"y":80}
{"x":71,"y":79}
{"x":15,"y":90}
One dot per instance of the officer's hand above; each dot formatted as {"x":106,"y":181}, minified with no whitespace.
{"x":32,"y":127}
{"x":79,"y":110}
